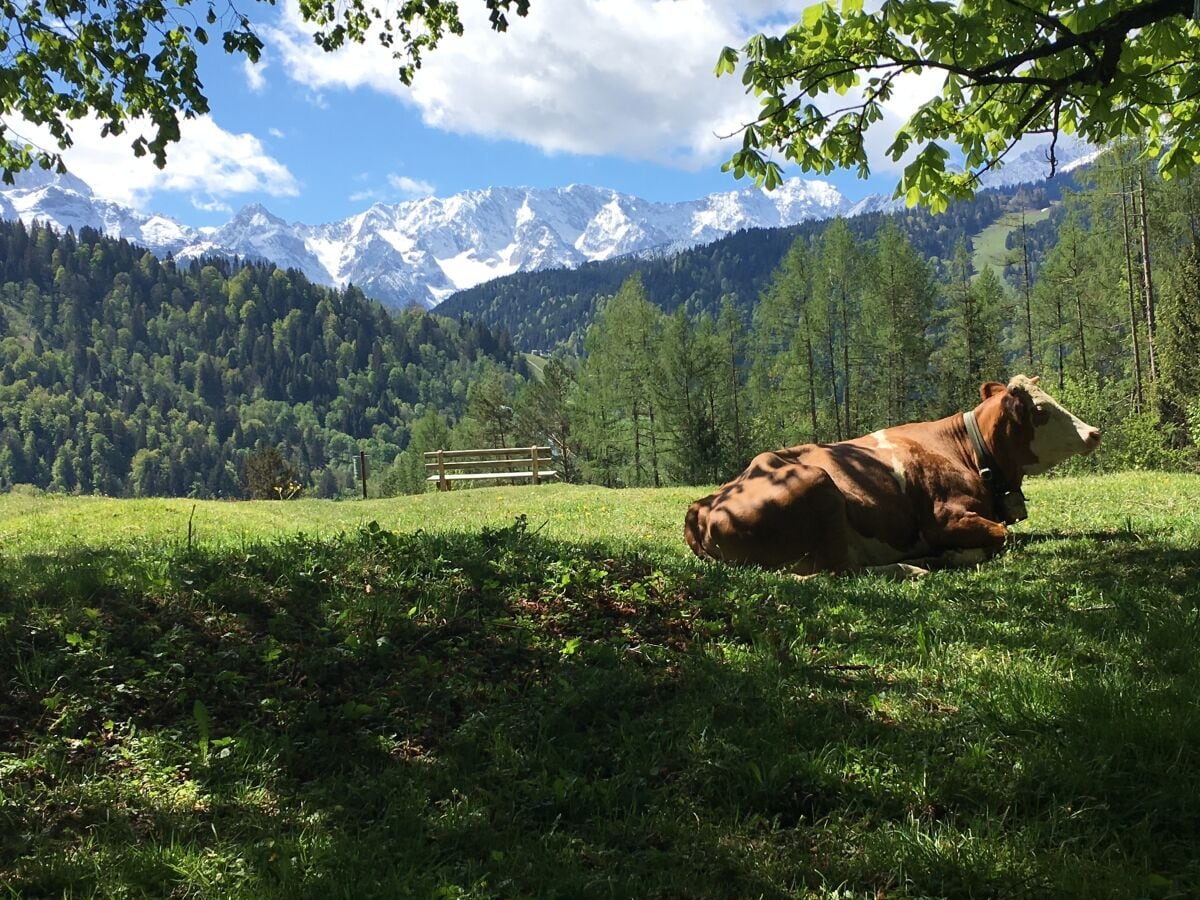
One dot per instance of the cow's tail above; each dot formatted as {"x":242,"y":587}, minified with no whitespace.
{"x":695,"y":528}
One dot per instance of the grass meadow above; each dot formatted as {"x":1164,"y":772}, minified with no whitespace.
{"x":990,"y":245}
{"x":537,"y":692}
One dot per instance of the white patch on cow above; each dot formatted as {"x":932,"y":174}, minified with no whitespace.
{"x":1062,"y":436}
{"x":862,"y":551}
{"x":970,"y":557}
{"x":898,"y":472}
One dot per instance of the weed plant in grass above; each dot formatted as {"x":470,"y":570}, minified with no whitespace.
{"x":535,"y":707}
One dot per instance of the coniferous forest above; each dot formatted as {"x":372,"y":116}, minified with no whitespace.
{"x":126,"y":375}
{"x":879,"y":320}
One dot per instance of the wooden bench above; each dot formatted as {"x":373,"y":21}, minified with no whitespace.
{"x":495,"y":464}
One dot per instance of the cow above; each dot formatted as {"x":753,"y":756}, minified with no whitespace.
{"x":899,"y":500}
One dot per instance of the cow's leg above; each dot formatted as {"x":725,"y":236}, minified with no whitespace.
{"x":960,"y":559}
{"x":961,"y":529}
{"x":968,"y":537}
{"x":950,"y":559}
{"x":900,"y":571}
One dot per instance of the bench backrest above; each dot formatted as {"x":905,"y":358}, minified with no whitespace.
{"x":500,"y":463}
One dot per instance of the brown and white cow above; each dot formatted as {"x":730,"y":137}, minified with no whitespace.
{"x":927,"y":492}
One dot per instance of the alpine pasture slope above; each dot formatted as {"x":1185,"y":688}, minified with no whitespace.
{"x":430,"y":696}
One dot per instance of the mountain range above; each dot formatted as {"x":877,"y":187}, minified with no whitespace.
{"x":422,"y":251}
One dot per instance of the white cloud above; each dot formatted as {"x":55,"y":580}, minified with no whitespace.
{"x":627,"y":77}
{"x":276,"y":133}
{"x":207,"y":161}
{"x":401,"y":187}
{"x":632,"y":78}
{"x":211,"y":205}
{"x":256,"y":74}
{"x":410,"y":187}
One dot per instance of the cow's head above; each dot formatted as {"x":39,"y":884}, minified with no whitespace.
{"x":1054,"y":433}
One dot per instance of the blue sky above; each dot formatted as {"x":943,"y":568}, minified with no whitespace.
{"x":617,"y":93}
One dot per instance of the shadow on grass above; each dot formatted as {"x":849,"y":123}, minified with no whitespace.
{"x":497,"y":714}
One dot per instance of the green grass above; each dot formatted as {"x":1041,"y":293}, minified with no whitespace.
{"x":628,"y":520}
{"x":989,"y":244}
{"x":536,"y":363}
{"x":457,"y":703}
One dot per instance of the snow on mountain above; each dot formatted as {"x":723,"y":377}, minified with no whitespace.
{"x":1030,"y":166}
{"x":422,"y":251}
{"x":64,"y":201}
{"x":1033,"y":165}
{"x":876,"y":203}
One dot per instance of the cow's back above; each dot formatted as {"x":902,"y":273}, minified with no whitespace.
{"x":813,"y":506}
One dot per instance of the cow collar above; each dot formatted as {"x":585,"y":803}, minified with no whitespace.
{"x":1009,"y":504}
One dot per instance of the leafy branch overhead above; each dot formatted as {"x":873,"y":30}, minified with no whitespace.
{"x":1008,"y":68}
{"x":133,"y":63}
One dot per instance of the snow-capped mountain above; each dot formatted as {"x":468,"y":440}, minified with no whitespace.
{"x":1033,"y":165}
{"x":424,"y":250}
{"x":1027,"y":167}
{"x":66,"y":201}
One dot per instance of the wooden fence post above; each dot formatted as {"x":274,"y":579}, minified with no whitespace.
{"x":537,"y":478}
{"x":443,"y":485}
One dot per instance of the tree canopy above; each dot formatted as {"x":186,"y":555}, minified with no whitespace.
{"x":130,"y":62}
{"x":1098,"y":69}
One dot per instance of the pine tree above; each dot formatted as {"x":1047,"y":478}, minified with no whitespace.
{"x":617,"y":397}
{"x":489,"y":416}
{"x":838,"y":282}
{"x":1179,"y":345}
{"x":732,"y":415}
{"x":689,"y":388}
{"x":408,"y":474}
{"x":783,"y":375}
{"x":971,"y":328}
{"x":900,"y":302}
{"x":544,"y":413}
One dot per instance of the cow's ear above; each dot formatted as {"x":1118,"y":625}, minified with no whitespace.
{"x":990,"y":388}
{"x":1017,"y":403}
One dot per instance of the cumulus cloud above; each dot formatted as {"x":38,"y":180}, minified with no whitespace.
{"x":410,"y":187}
{"x":256,"y":74}
{"x":399,"y":187}
{"x":627,"y":77}
{"x":632,"y":78}
{"x":208,"y":161}
{"x":211,"y":205}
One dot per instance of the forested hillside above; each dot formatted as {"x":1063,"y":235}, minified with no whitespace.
{"x":123,"y":374}
{"x":126,"y":375}
{"x":857,"y":329}
{"x":543,"y":309}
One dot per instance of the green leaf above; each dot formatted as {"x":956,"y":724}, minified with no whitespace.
{"x":812,"y":14}
{"x":726,"y":62}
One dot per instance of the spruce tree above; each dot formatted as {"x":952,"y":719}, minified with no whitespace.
{"x":783,"y":381}
{"x":1179,"y":345}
